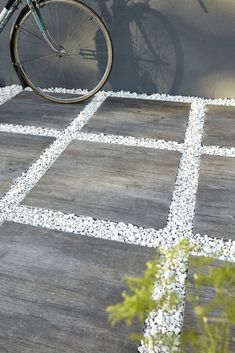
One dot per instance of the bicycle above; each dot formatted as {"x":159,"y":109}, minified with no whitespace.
{"x":149,"y":57}
{"x":59,"y":43}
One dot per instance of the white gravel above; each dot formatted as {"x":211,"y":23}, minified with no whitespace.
{"x":9,"y":92}
{"x":29,"y":130}
{"x":184,"y":197}
{"x":219,"y":151}
{"x":130,"y":141}
{"x":22,"y":185}
{"x":182,"y":209}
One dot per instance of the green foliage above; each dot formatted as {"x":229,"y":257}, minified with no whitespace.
{"x":214,"y":319}
{"x":137,"y":300}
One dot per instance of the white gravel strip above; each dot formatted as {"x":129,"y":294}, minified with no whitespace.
{"x":220,"y":101}
{"x":98,"y":228}
{"x":8,"y":92}
{"x":184,"y":197}
{"x":170,"y":98}
{"x":127,"y":233}
{"x":219,"y":151}
{"x":170,"y":323}
{"x":129,"y":141}
{"x":155,"y":97}
{"x":214,"y":247}
{"x":29,"y":130}
{"x":102,"y":138}
{"x":22,"y":185}
{"x":180,"y":224}
{"x":162,"y":321}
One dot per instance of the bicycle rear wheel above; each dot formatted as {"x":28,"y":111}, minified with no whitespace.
{"x":86,"y":62}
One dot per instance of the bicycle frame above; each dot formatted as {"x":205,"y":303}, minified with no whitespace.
{"x":7,"y":12}
{"x":12,"y":5}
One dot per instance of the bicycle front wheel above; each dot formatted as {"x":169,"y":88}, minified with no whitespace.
{"x":86,"y":60}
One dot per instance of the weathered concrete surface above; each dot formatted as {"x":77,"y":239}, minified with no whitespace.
{"x":140,"y":118}
{"x":28,"y":108}
{"x":120,"y":183}
{"x":219,"y":126}
{"x":55,"y":287}
{"x":215,"y":205}
{"x":17,"y":152}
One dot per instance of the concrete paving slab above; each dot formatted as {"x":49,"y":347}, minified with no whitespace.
{"x":17,"y":152}
{"x":215,"y":205}
{"x":205,"y":294}
{"x":219,"y":126}
{"x":111,"y":182}
{"x":28,"y":108}
{"x":55,"y":287}
{"x":140,"y":118}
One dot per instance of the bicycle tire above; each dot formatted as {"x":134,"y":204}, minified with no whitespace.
{"x":81,"y":64}
{"x":155,"y":30}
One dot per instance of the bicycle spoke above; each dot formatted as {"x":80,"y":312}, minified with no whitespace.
{"x":52,"y":71}
{"x":36,"y":58}
{"x":57,"y":23}
{"x":46,"y":69}
{"x":70,"y":21}
{"x":34,"y":35}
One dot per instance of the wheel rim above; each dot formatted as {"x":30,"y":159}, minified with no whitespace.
{"x":86,"y":57}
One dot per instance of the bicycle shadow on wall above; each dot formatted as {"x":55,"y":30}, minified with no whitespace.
{"x":148,"y":55}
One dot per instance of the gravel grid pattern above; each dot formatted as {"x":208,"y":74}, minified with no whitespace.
{"x":182,"y":209}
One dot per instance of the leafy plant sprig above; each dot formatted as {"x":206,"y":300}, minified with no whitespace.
{"x":214,"y":319}
{"x":138,"y":301}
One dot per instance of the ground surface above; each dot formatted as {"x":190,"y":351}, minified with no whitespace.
{"x":205,"y":295}
{"x":55,"y":288}
{"x":140,"y":170}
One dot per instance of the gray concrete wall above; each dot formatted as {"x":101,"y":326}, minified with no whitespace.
{"x":179,"y":46}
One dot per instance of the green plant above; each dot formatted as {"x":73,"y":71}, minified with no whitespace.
{"x":214,"y":319}
{"x":138,"y":301}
